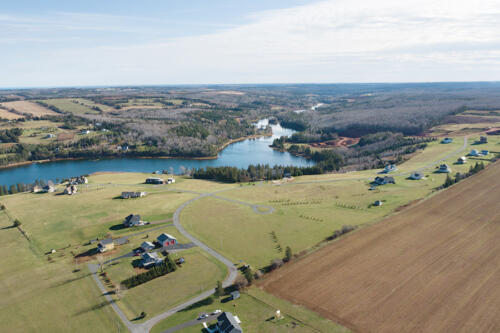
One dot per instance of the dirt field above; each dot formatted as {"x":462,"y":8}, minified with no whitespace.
{"x":434,"y":267}
{"x":9,"y":115}
{"x":29,"y":107}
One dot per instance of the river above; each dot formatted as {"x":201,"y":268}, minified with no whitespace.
{"x":240,"y":154}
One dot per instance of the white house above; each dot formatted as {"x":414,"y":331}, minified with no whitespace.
{"x":170,"y":180}
{"x":150,"y":259}
{"x":390,"y":168}
{"x":417,"y":175}
{"x":462,"y":160}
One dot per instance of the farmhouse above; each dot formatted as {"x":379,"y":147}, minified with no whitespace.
{"x":147,"y":246}
{"x":128,"y":195}
{"x":377,"y":203}
{"x":462,"y":160}
{"x":106,"y":245}
{"x":447,"y":140}
{"x":170,"y":180}
{"x":390,"y":168}
{"x":384,"y":180}
{"x":483,"y":139}
{"x":417,"y":175}
{"x":37,"y":189}
{"x":49,"y":136}
{"x":150,"y":259}
{"x":49,"y":188}
{"x":444,"y":168}
{"x":484,"y":152}
{"x":154,"y":180}
{"x":133,"y":220}
{"x":228,"y":323}
{"x":70,"y":190}
{"x":474,"y":152}
{"x":166,"y":239}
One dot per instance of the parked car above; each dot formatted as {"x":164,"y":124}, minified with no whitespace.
{"x":216,"y":312}
{"x":203,"y":316}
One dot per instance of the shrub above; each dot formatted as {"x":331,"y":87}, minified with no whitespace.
{"x":165,"y":267}
{"x":17,"y":223}
{"x":241,"y":282}
{"x":288,"y":254}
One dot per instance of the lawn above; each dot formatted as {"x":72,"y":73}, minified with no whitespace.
{"x":30,"y":108}
{"x":256,"y":310}
{"x":39,"y":296}
{"x":199,"y":273}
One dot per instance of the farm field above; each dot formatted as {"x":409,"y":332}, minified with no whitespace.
{"x":434,"y":267}
{"x":256,"y":309}
{"x":9,"y":115}
{"x":30,"y":108}
{"x":67,"y":105}
{"x":38,"y":296}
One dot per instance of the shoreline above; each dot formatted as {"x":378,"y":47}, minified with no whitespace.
{"x":60,"y":159}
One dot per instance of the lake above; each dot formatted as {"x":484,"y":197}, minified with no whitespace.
{"x":240,"y":154}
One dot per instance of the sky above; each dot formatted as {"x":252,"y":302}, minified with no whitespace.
{"x":55,"y":43}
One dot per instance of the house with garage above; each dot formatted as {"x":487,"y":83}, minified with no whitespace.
{"x":417,"y":175}
{"x":474,"y":152}
{"x":155,"y":180}
{"x":166,"y":240}
{"x":106,"y":245}
{"x":228,"y":323}
{"x":444,"y":168}
{"x":462,"y":160}
{"x":150,"y":259}
{"x":133,"y":220}
{"x":147,"y":246}
{"x":384,"y":180}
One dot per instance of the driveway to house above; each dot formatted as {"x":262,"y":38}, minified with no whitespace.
{"x":190,"y":323}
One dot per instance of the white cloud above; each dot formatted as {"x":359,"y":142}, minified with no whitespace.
{"x":329,"y":41}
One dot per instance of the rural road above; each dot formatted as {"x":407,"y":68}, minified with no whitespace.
{"x":233,"y":272}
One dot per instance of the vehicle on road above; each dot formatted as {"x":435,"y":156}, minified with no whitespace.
{"x":203,"y":316}
{"x":216,"y":312}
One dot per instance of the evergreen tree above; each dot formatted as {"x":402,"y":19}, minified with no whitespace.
{"x":288,"y":253}
{"x":219,"y":290}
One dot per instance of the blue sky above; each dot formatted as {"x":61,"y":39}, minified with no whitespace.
{"x":79,"y":43}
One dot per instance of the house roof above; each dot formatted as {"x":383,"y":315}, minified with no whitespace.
{"x":147,"y":244}
{"x":227,"y":323}
{"x":106,"y":241}
{"x":150,"y":256}
{"x":164,"y":237}
{"x":133,"y":218}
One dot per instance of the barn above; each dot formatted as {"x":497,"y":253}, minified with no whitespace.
{"x":166,"y":240}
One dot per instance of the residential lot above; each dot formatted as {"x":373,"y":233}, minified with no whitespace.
{"x":434,"y":267}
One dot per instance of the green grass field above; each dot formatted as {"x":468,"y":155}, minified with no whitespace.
{"x":67,"y":105}
{"x":38,"y":296}
{"x":256,"y":310}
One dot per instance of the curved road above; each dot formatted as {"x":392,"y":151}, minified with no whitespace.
{"x":233,"y":272}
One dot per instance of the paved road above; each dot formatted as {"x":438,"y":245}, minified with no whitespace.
{"x":146,"y":326}
{"x":134,"y":328}
{"x":190,"y":323}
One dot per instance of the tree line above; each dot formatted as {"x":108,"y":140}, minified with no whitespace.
{"x":167,"y":266}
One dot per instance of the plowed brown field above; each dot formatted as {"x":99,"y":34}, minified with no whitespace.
{"x":434,"y":267}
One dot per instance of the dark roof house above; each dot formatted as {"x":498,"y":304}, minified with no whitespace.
{"x":385,"y":180}
{"x":228,"y":323}
{"x":133,"y":220}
